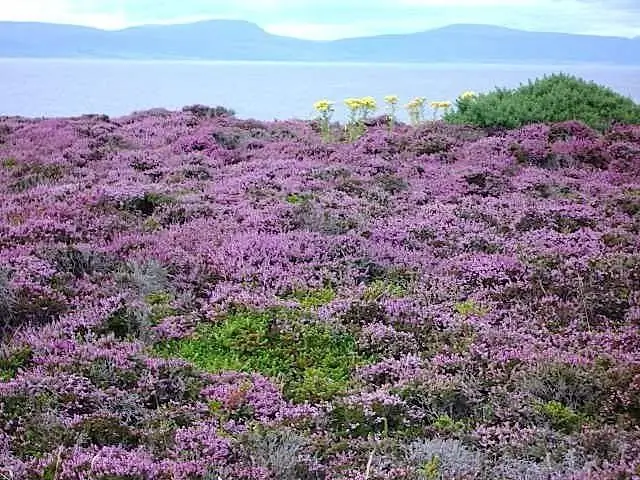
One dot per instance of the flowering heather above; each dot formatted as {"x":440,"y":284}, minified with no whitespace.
{"x":192,"y":296}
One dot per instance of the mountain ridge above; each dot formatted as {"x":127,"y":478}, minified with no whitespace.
{"x":243,"y":40}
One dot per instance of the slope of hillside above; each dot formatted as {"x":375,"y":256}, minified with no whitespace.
{"x":192,"y":296}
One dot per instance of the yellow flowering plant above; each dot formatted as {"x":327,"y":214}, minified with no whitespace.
{"x":465,"y":100}
{"x":415,"y":109}
{"x":436,"y":106}
{"x":368,"y":106}
{"x":392,"y":104}
{"x":325,"y":111}
{"x":359,"y":110}
{"x":468,"y":95}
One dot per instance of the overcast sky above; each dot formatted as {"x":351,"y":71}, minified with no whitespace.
{"x":328,"y":19}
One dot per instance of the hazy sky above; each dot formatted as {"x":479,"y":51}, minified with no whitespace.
{"x":327,"y":19}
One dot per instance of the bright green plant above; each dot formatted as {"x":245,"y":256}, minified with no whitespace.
{"x":560,"y":416}
{"x":431,"y":470}
{"x":298,"y":198}
{"x":554,"y":98}
{"x":313,"y":298}
{"x":313,"y":361}
{"x":415,"y":109}
{"x":325,"y":111}
{"x":447,"y":424}
{"x":470,"y":308}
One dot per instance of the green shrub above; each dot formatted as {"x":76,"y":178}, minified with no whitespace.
{"x":104,"y":430}
{"x":147,"y":203}
{"x":12,"y":360}
{"x":446,"y":424}
{"x":9,"y":163}
{"x":313,"y":298}
{"x":296,"y":198}
{"x":470,"y":308}
{"x":313,"y":360}
{"x":554,"y":98}
{"x":205,"y":111}
{"x":31,"y":175}
{"x":380,"y":289}
{"x":126,"y":322}
{"x":560,"y":416}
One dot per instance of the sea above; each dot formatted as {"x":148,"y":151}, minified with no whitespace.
{"x":260,"y":90}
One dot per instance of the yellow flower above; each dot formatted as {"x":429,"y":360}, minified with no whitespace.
{"x":417,"y":102}
{"x":391,"y":99}
{"x":468,"y":95}
{"x":353,"y":103}
{"x":437,"y":105}
{"x":323,"y":106}
{"x":368,"y":103}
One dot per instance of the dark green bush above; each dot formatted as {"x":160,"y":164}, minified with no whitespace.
{"x":554,"y":98}
{"x":204,"y":111}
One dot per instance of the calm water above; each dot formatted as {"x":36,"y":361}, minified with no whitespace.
{"x":262,"y":90}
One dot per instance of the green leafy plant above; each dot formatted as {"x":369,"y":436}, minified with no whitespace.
{"x":298,"y":198}
{"x":430,"y":470}
{"x":380,"y":288}
{"x":560,"y":416}
{"x":554,"y":98}
{"x":313,"y":298}
{"x":313,"y":361}
{"x":12,"y":360}
{"x":30,"y":175}
{"x":470,"y":308}
{"x":447,"y":424}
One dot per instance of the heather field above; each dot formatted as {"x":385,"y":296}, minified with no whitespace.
{"x":189,"y":295}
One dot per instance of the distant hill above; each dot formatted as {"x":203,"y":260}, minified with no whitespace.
{"x":238,"y":40}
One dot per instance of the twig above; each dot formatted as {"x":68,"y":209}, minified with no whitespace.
{"x":368,"y":471}
{"x":58,"y":461}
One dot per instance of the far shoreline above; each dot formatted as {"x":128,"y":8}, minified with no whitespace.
{"x":327,"y":63}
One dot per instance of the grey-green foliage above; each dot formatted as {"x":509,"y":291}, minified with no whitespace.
{"x":280,"y":451}
{"x":554,"y":98}
{"x":7,"y":305}
{"x":441,"y":458}
{"x":79,"y":261}
{"x":148,"y":277}
{"x":512,"y":469}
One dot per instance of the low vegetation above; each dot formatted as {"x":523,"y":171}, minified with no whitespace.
{"x":556,"y":98}
{"x":194,"y":296}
